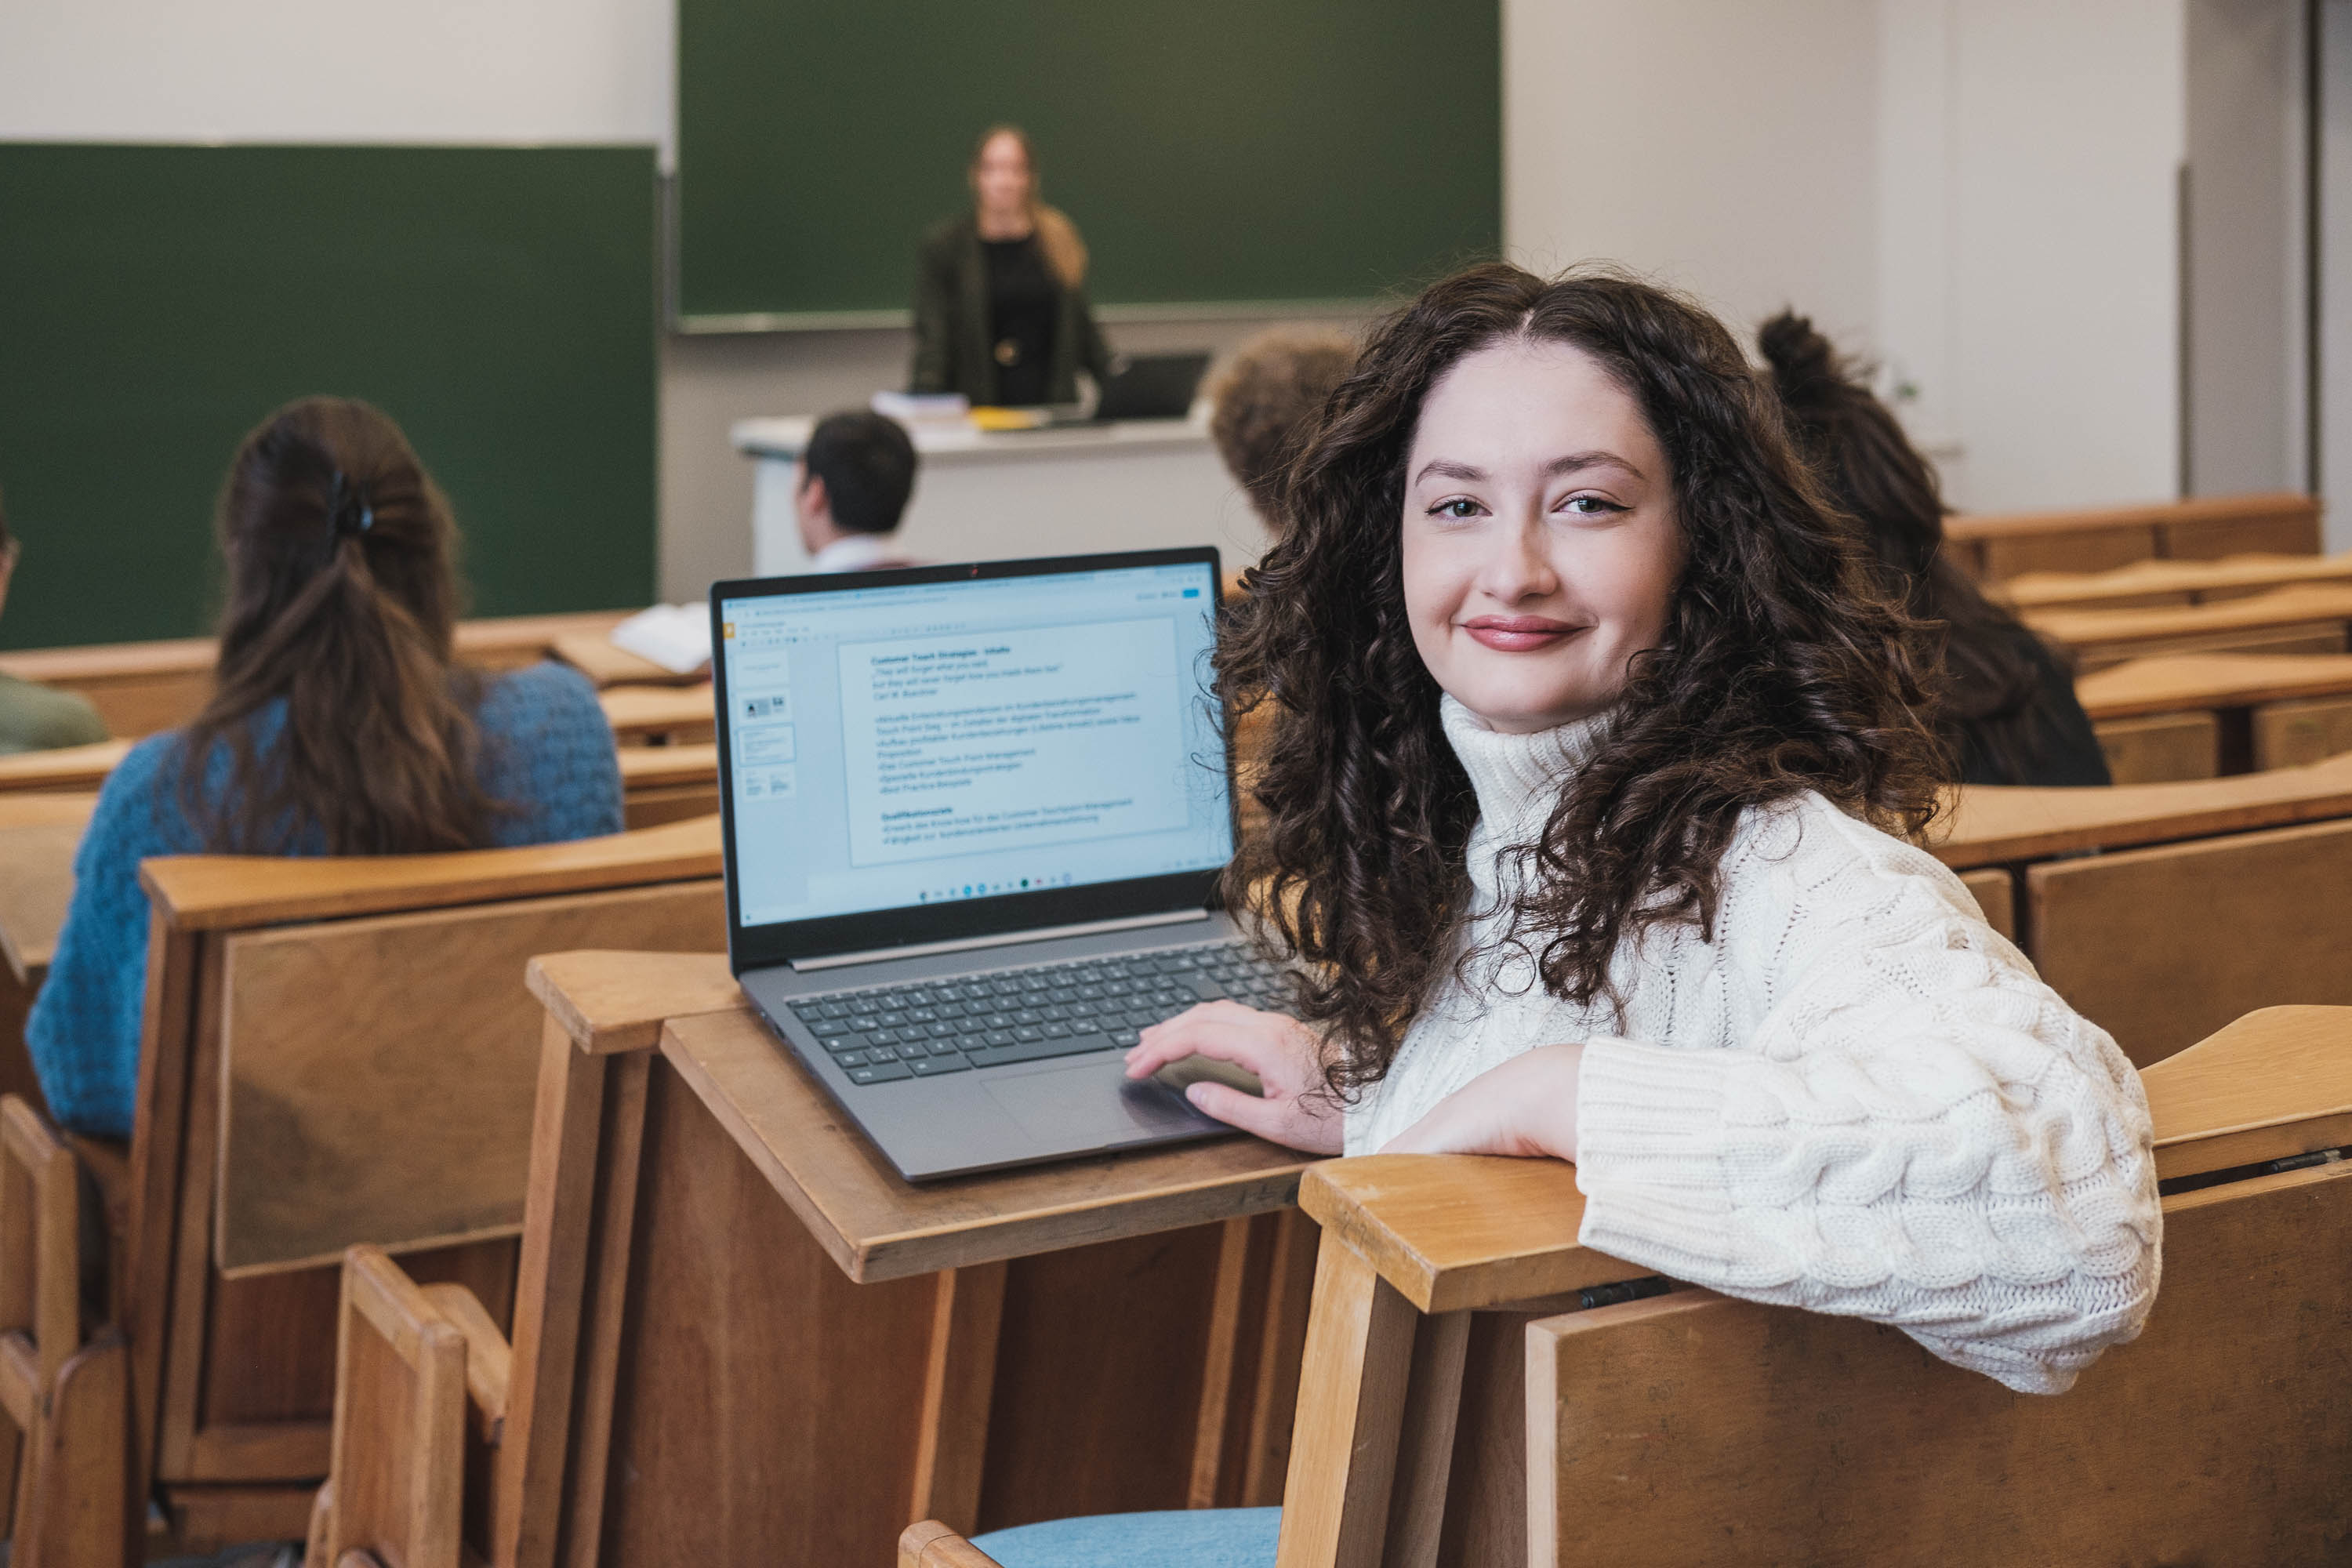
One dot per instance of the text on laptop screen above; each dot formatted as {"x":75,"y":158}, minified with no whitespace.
{"x":918,"y":744}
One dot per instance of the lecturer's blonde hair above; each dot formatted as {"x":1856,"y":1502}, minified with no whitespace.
{"x":1058,"y":237}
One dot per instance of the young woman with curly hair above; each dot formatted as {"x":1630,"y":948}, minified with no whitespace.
{"x":1595,"y":776}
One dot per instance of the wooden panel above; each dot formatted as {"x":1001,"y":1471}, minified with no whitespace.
{"x":37,"y":883}
{"x":266,"y":1355}
{"x":1131,"y":1315}
{"x":2290,"y":734}
{"x":1487,"y":1502}
{"x":766,"y":1409}
{"x":2098,"y":550}
{"x":400,"y":1440}
{"x":2284,"y":534}
{"x":409,"y":1032}
{"x":879,"y":1227}
{"x":1995,"y":893}
{"x":2163,"y":946}
{"x":1823,"y":1441}
{"x":2161,"y":748}
{"x":1994,"y":825}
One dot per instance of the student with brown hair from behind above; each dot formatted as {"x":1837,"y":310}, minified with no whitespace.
{"x":339,"y":723}
{"x":2005,"y":708}
{"x":1266,"y":398}
{"x":33,"y":717}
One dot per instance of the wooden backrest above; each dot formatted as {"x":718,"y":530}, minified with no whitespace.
{"x":1994,"y":548}
{"x":40,"y":1248}
{"x":139,"y":688}
{"x":302,"y":1015}
{"x":400,"y":1411}
{"x":1692,"y":1429}
{"x":2162,"y":946}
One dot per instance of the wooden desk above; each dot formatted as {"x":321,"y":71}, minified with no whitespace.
{"x":38,"y":835}
{"x":1994,"y":549}
{"x":2307,"y":617}
{"x":2146,"y":584}
{"x":643,"y":713}
{"x":62,"y":768}
{"x":139,"y":688}
{"x":2268,"y":710}
{"x":595,"y":657}
{"x":1992,"y":825}
{"x":740,"y":1337}
{"x":669,"y":783}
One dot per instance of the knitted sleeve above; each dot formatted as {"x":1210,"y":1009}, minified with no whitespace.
{"x":548,"y":756}
{"x":83,"y":1032}
{"x":1918,"y":1132}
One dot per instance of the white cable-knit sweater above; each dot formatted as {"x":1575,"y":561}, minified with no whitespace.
{"x":1857,"y":1098}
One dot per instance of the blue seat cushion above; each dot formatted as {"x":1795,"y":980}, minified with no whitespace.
{"x":1188,"y":1538}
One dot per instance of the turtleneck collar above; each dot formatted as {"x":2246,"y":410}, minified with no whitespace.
{"x":1517,"y":777}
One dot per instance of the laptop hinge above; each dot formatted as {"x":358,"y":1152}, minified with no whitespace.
{"x":1004,"y":939}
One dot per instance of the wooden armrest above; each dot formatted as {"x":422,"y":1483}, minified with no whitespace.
{"x":930,"y":1545}
{"x":197,"y":892}
{"x":2275,"y":1083}
{"x":610,"y":1001}
{"x":1451,"y":1232}
{"x":489,"y":1358}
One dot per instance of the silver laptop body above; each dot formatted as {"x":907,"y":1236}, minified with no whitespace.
{"x":974,"y":818}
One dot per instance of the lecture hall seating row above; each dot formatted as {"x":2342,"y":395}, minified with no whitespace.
{"x":1994,"y":549}
{"x":1475,"y":1387}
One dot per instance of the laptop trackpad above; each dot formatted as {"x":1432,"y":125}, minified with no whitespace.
{"x":1090,"y":1105}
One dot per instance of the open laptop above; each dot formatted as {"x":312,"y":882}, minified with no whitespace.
{"x":1151,"y":386}
{"x":974,"y":817}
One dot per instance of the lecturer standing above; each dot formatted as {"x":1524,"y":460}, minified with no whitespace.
{"x":1000,"y":311}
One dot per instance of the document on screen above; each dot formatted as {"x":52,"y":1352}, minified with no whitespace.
{"x":1013,"y":739}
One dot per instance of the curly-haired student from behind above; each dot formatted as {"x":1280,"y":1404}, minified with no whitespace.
{"x":1266,"y":399}
{"x":1595,"y":775}
{"x":338,"y":725}
{"x":2005,"y":699}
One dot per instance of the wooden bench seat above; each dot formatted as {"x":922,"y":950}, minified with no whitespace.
{"x":2227,"y":712}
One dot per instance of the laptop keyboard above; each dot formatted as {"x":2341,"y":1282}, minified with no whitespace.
{"x":932,"y":1028}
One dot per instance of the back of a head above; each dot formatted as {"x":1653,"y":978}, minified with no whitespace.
{"x":1873,"y":472}
{"x":867,"y":464}
{"x":343,"y":602}
{"x":1267,"y":400}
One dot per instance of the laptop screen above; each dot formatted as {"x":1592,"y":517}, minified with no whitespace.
{"x":906,"y":741}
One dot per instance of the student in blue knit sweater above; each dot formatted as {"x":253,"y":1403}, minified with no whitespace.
{"x":338,"y":725}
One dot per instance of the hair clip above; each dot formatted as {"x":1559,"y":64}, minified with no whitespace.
{"x":349,"y":511}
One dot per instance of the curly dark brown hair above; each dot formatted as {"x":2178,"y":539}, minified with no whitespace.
{"x":1267,"y":399}
{"x":1782,"y":670}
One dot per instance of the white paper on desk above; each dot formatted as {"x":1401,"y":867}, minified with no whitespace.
{"x":675,"y":637}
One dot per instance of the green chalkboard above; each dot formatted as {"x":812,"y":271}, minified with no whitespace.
{"x":156,"y":303}
{"x":1213,"y":151}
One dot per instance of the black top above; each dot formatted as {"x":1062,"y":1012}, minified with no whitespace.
{"x":2051,"y":729}
{"x":1022,"y":302}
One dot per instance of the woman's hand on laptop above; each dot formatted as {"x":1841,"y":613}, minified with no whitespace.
{"x":1297,"y":1109}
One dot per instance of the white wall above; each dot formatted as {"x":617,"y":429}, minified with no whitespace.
{"x":497,"y":71}
{"x":1720,"y":145}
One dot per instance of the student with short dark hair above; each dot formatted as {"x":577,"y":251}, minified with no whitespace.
{"x":1266,"y":398}
{"x":854,"y":477}
{"x":339,"y":723}
{"x":2005,"y":708}
{"x":32,"y":717}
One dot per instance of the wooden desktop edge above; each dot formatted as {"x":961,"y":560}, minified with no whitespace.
{"x":198,"y":892}
{"x":2216,"y":508}
{"x":1453,"y":1232}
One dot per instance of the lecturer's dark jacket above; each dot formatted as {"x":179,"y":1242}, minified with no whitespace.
{"x":952,"y":350}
